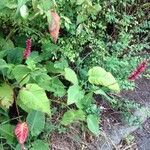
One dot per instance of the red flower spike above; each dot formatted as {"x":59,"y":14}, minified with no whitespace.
{"x":27,"y":51}
{"x":141,"y":68}
{"x":21,"y":132}
{"x":54,"y":27}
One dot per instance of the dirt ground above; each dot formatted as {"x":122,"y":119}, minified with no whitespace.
{"x":76,"y":140}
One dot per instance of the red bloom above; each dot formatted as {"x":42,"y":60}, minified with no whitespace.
{"x":27,"y":51}
{"x":141,"y":68}
{"x":21,"y":132}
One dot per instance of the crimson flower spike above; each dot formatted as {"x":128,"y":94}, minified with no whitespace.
{"x":27,"y":51}
{"x":140,"y":69}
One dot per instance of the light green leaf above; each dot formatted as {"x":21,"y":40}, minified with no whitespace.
{"x":93,"y":124}
{"x":99,"y":76}
{"x":24,"y":11}
{"x":7,"y":131}
{"x":71,"y":76}
{"x":36,"y":122}
{"x":57,"y":87}
{"x":75,"y":94}
{"x":3,"y":64}
{"x":72,"y":115}
{"x":6,"y":95}
{"x":40,"y":145}
{"x":34,"y":97}
{"x":20,"y":4}
{"x":21,"y":74}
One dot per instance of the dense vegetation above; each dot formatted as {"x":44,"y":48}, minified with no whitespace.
{"x":43,"y":76}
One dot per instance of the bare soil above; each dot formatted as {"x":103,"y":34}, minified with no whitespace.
{"x":76,"y":140}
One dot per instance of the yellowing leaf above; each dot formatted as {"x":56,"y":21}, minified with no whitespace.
{"x":34,"y":98}
{"x":54,"y":26}
{"x":99,"y":76}
{"x":6,"y":95}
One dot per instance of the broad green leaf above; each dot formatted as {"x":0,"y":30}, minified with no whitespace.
{"x":15,"y":56}
{"x":85,"y":101}
{"x":71,"y":76}
{"x":6,"y":95}
{"x":50,"y":68}
{"x":45,"y":5}
{"x":33,"y":59}
{"x":57,"y":87}
{"x":34,"y":97}
{"x":72,"y":115}
{"x":93,"y":124}
{"x":40,"y":145}
{"x":36,"y":122}
{"x":61,"y":64}
{"x":99,"y":76}
{"x":75,"y":94}
{"x":21,"y":74}
{"x":7,"y":131}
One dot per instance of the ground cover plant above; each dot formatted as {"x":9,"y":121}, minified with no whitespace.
{"x":55,"y":56}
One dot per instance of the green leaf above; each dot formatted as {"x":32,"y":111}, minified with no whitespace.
{"x":71,"y":76}
{"x":3,"y":64}
{"x":99,"y":76}
{"x":6,"y":95}
{"x":40,"y":145}
{"x":21,"y":74}
{"x":75,"y":94}
{"x":86,"y":101}
{"x":57,"y":87}
{"x":7,"y":131}
{"x":101,"y":92}
{"x":93,"y":124}
{"x":15,"y":56}
{"x":81,"y":18}
{"x":24,"y":11}
{"x":34,"y":97}
{"x":50,"y":68}
{"x":61,"y":64}
{"x":36,"y":122}
{"x":20,"y":4}
{"x":72,"y":115}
